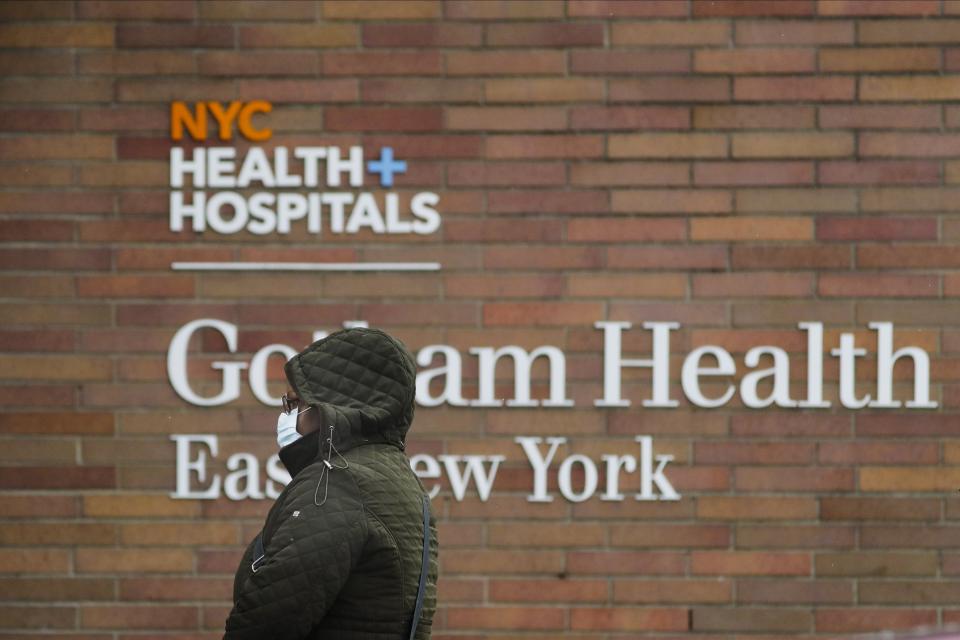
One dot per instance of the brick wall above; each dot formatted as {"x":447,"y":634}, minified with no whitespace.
{"x":737,"y":167}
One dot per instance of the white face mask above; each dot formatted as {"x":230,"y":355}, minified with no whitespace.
{"x":287,"y":428}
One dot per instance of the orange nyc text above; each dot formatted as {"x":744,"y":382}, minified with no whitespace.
{"x":235,"y":115}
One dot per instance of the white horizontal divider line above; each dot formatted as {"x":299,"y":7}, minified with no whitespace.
{"x":305,"y":266}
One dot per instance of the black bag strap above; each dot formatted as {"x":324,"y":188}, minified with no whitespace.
{"x":424,"y":566}
{"x":258,"y":554}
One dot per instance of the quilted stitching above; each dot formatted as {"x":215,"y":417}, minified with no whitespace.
{"x":349,"y":568}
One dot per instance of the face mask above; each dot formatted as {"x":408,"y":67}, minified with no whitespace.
{"x":287,"y":428}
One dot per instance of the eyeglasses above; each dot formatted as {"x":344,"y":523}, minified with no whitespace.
{"x":289,"y":404}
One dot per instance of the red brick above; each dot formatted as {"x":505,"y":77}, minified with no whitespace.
{"x":794,"y":591}
{"x":256,"y":10}
{"x":877,"y":8}
{"x":228,"y":63}
{"x":99,"y":9}
{"x":668,"y":591}
{"x":629,"y":118}
{"x":640,"y":230}
{"x":741,"y":8}
{"x":728,"y":563}
{"x":780,"y":621}
{"x":786,"y":257}
{"x":892,"y":509}
{"x":565,"y":202}
{"x":626,"y":562}
{"x":383,"y":119}
{"x":281,"y":91}
{"x":793,"y":32}
{"x":752,"y":117}
{"x":629,"y":62}
{"x":654,"y":257}
{"x":39,"y":10}
{"x":626,"y":8}
{"x":569,"y":591}
{"x":498,"y":617}
{"x":545,"y":35}
{"x":856,"y":453}
{"x":506,"y":118}
{"x":874,"y":228}
{"x":381,"y":10}
{"x":427,"y":146}
{"x":909,"y":145}
{"x":879,"y":117}
{"x":542,"y":257}
{"x":563,"y":146}
{"x":629,"y":173}
{"x":879,"y":172}
{"x":864,"y":619}
{"x":669,"y":33}
{"x":422,"y":35}
{"x":755,"y":508}
{"x":548,"y":90}
{"x":57,"y":478}
{"x":382,"y":64}
{"x":174,"y":36}
{"x":506,"y":174}
{"x":795,"y":536}
{"x":752,"y":173}
{"x":540,"y":313}
{"x":669,"y":89}
{"x":491,"y":63}
{"x":919,"y":31}
{"x":628,"y":619}
{"x":35,"y":63}
{"x":745,"y":61}
{"x":803,"y":89}
{"x":135,"y":286}
{"x":793,"y":479}
{"x":883,"y":286}
{"x":36,"y":120}
{"x":138,"y":617}
{"x":865,"y":59}
{"x":68,"y":35}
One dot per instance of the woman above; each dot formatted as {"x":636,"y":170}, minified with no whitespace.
{"x":341,"y":552}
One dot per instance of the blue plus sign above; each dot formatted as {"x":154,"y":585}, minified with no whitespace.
{"x":386,"y":166}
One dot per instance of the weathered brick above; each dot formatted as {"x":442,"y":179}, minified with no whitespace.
{"x":752,"y":117}
{"x":862,"y":619}
{"x":491,"y":63}
{"x":669,"y":33}
{"x":544,"y":90}
{"x":39,"y":63}
{"x":298,"y":36}
{"x":667,"y":145}
{"x":868,"y":508}
{"x":917,"y":31}
{"x":793,"y":32}
{"x":876,"y":564}
{"x":878,"y":286}
{"x":545,"y":35}
{"x":780,"y":145}
{"x":782,"y":621}
{"x":381,"y":10}
{"x":878,"y":59}
{"x":640,"y":230}
{"x":636,"y":619}
{"x":629,"y":173}
{"x":741,"y":8}
{"x":886,"y":228}
{"x":82,"y":34}
{"x":802,"y":89}
{"x":629,"y":118}
{"x":426,"y":34}
{"x":139,"y":617}
{"x":876,"y":8}
{"x":918,"y":88}
{"x":732,"y":563}
{"x":552,"y":146}
{"x":794,"y":591}
{"x":752,"y":173}
{"x":751,"y":228}
{"x":879,"y":117}
{"x":669,"y":89}
{"x":669,"y":201}
{"x":505,"y":118}
{"x":879,"y":172}
{"x":629,"y":62}
{"x":755,"y":508}
{"x":754,"y":61}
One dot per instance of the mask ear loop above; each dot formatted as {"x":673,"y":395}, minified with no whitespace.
{"x":328,"y":467}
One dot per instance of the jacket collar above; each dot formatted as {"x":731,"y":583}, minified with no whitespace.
{"x":315,"y":446}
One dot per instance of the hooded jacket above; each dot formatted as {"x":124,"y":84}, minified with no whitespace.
{"x":343,"y":542}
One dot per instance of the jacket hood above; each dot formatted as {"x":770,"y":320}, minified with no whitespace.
{"x":363,"y":381}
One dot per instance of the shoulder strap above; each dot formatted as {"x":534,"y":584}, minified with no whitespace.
{"x":424,"y":565}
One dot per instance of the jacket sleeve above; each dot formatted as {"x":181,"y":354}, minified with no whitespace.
{"x":308,"y":560}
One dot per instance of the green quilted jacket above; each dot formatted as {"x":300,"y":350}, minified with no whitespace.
{"x":343,"y":542}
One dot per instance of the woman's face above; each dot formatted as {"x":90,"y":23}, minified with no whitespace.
{"x":308,"y":419}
